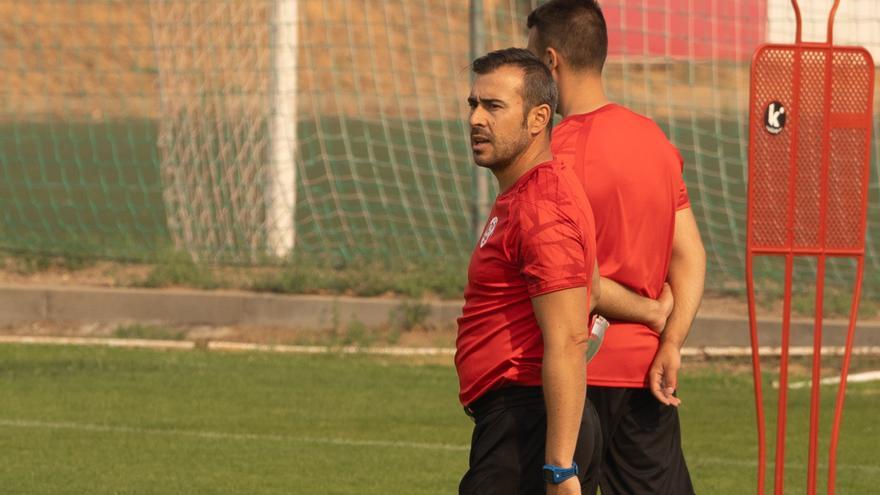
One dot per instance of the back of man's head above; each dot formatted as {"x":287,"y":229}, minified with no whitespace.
{"x":575,"y":29}
{"x":538,"y":87}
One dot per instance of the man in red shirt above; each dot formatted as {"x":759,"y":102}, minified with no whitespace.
{"x":523,"y":330}
{"x":646,"y":235}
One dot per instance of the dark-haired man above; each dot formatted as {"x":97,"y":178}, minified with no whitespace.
{"x":523,"y":330}
{"x":645,"y":234}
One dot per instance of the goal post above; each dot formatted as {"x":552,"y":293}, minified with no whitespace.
{"x":281,"y":197}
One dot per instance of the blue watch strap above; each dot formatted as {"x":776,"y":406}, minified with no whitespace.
{"x":556,"y":475}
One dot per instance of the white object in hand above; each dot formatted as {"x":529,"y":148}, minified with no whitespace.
{"x":597,"y":333}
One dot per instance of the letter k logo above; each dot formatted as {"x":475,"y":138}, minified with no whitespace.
{"x":774,"y":117}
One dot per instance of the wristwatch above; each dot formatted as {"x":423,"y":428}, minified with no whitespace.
{"x":556,"y":475}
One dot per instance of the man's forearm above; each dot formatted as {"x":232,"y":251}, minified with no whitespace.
{"x":687,"y":288}
{"x":620,"y":303}
{"x":687,"y":273}
{"x":562,"y":316}
{"x":564,"y":381}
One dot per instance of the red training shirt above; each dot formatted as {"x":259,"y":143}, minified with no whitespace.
{"x":539,"y":238}
{"x":632,"y":176}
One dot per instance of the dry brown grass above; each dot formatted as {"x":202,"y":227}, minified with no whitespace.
{"x":374,"y":59}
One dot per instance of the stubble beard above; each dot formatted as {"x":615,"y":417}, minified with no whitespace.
{"x":506,"y":153}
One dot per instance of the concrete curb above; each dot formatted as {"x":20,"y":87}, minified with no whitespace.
{"x":223,"y":346}
{"x":719,"y":330}
{"x":20,"y":304}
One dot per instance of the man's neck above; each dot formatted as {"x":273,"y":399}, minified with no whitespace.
{"x":537,"y":153}
{"x":580,"y":93}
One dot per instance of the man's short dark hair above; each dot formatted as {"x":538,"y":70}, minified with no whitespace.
{"x":574,"y":28}
{"x":538,"y":87}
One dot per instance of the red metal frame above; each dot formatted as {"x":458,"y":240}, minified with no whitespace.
{"x":783,"y":216}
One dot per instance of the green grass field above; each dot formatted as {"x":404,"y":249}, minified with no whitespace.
{"x":105,"y":421}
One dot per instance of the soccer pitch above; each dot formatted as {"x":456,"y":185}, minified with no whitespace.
{"x":102,"y":421}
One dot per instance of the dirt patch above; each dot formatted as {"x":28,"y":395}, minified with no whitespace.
{"x":98,"y":274}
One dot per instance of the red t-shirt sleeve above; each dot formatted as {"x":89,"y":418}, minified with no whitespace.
{"x":683,"y":201}
{"x":552,"y":251}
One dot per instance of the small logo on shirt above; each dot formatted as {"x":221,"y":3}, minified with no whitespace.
{"x":774,"y":117}
{"x":488,"y":232}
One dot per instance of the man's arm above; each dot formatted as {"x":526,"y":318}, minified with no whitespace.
{"x":620,"y":303}
{"x":595,"y":288}
{"x":687,"y":273}
{"x":562,"y":316}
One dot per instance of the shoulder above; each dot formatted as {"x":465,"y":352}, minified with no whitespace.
{"x":631,"y":126}
{"x":544,"y":184}
{"x":610,"y":125}
{"x":620,"y":114}
{"x":552,"y":191}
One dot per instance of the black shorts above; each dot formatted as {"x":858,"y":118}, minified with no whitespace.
{"x":642,"y":444}
{"x":507,"y":448}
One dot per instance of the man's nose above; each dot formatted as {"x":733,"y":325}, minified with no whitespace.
{"x":477,"y":117}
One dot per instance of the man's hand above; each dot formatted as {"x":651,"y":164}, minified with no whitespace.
{"x":665,"y":303}
{"x":663,"y":376}
{"x":618,"y":302}
{"x":571,"y":486}
{"x":687,"y":272}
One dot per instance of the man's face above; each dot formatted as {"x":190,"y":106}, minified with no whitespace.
{"x":498,"y":125}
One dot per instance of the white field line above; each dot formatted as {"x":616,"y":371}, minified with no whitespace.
{"x":103,"y":342}
{"x":868,"y":376}
{"x":709,"y":351}
{"x":346,"y":442}
{"x":220,"y":435}
{"x":768,"y":351}
{"x":318,"y":349}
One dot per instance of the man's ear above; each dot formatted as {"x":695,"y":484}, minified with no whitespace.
{"x":551,"y":59}
{"x":540,"y":118}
